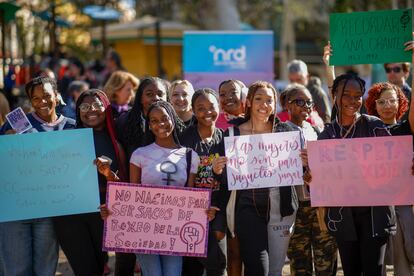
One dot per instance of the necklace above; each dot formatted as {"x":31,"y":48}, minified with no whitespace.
{"x":352,"y":127}
{"x":253,"y":131}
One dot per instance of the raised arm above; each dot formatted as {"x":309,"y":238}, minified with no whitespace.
{"x":330,"y":70}
{"x":409,"y":46}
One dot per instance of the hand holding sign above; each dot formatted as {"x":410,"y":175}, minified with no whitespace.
{"x":218,"y":164}
{"x":18,"y":120}
{"x":409,"y":46}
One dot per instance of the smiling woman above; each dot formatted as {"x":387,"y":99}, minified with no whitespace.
{"x":267,"y":212}
{"x":180,"y":94}
{"x":15,"y":237}
{"x":361,"y":232}
{"x":92,"y":111}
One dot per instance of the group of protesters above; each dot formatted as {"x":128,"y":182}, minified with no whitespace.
{"x":140,"y":123}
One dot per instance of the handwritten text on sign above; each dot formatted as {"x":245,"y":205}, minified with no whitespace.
{"x":370,"y":37}
{"x":47,"y":174}
{"x":263,"y":160}
{"x":157,"y":220}
{"x":362,"y":171}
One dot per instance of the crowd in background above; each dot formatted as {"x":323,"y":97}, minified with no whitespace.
{"x":140,"y":122}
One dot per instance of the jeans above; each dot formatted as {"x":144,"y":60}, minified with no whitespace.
{"x":28,"y":247}
{"x":160,"y":265}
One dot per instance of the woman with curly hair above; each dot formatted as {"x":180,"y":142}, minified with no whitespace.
{"x":388,"y":102}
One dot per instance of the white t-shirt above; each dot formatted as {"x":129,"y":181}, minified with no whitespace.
{"x":163,"y":166}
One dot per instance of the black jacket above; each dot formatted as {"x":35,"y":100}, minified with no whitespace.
{"x":340,"y":220}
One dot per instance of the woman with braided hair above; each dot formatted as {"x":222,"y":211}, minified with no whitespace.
{"x":360,"y":232}
{"x":132,"y":132}
{"x":148,"y":166}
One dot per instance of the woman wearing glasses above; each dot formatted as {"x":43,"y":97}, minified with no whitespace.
{"x":80,"y":236}
{"x":310,"y":245}
{"x":388,"y":102}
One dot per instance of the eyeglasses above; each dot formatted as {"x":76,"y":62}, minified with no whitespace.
{"x":303,"y":103}
{"x":85,"y":107}
{"x":383,"y":102}
{"x":393,"y":69}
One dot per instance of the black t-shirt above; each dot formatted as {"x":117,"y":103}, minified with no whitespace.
{"x":207,"y":151}
{"x":104,"y":146}
{"x":205,"y":177}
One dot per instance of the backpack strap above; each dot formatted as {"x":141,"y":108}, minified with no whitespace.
{"x":188,"y":157}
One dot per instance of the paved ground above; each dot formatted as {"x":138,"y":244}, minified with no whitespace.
{"x":65,"y":270}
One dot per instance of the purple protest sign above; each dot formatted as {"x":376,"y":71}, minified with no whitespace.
{"x":361,"y":171}
{"x":161,"y":220}
{"x":18,"y":120}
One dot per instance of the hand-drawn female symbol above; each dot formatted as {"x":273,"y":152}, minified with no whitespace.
{"x":168,"y":168}
{"x":192,"y":234}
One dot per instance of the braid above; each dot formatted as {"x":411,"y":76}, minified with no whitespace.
{"x":202,"y":91}
{"x":338,"y":94}
{"x":135,"y":127}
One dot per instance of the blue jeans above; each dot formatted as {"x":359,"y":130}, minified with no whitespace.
{"x":28,"y":247}
{"x":160,"y":265}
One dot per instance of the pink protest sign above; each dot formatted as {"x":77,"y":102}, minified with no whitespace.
{"x":362,"y":171}
{"x":162,"y":220}
{"x":263,"y":160}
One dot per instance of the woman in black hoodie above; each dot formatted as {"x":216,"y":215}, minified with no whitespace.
{"x":361,"y":232}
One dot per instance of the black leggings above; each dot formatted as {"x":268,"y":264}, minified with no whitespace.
{"x":366,"y":254}
{"x":80,"y":237}
{"x":124,"y":264}
{"x":251,"y":230}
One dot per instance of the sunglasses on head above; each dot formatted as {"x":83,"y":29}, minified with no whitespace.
{"x":393,"y":69}
{"x":302,"y":103}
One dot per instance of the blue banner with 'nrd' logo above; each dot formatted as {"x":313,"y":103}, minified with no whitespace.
{"x":250,"y":51}
{"x":210,"y":57}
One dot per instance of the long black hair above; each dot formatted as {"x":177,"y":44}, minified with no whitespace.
{"x":337,"y":94}
{"x":136,"y":124}
{"x":150,"y":138}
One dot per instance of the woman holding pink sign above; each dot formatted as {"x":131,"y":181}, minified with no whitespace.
{"x":163,"y":162}
{"x":264,"y":217}
{"x":360,"y":232}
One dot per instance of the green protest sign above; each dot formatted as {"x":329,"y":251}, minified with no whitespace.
{"x":370,"y":37}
